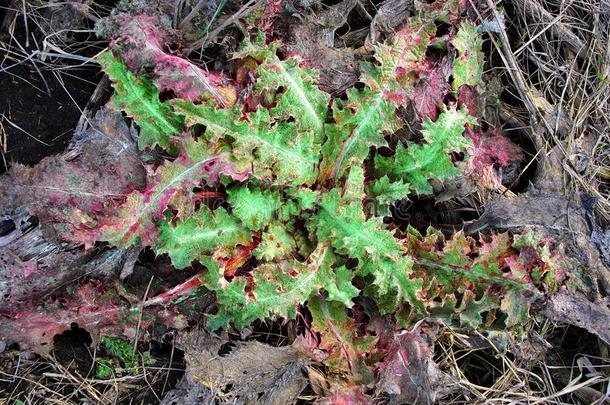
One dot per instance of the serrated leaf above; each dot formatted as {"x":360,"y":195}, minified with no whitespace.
{"x":277,"y":290}
{"x":305,"y":197}
{"x":278,"y":151}
{"x":276,"y":243}
{"x":200,"y":235}
{"x":254,"y":207}
{"x":219,"y":123}
{"x":386,"y":192}
{"x":142,"y":41}
{"x":343,"y":291}
{"x":139,"y":98}
{"x":420,"y":163}
{"x":468,"y":65}
{"x":470,"y":309}
{"x":172,"y":185}
{"x":342,"y":223}
{"x":275,"y":151}
{"x":361,"y":122}
{"x":301,"y":99}
{"x":346,"y":350}
{"x":399,"y":56}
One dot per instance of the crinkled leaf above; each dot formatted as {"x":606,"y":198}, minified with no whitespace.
{"x":254,"y":207}
{"x":468,"y":65}
{"x":342,"y":223}
{"x":346,"y":350}
{"x":139,"y":98}
{"x":277,"y":289}
{"x":300,"y":99}
{"x":172,"y":185}
{"x":141,"y":41}
{"x":386,"y":192}
{"x":343,"y":291}
{"x":417,"y":164}
{"x":276,"y":243}
{"x":199,"y":235}
{"x":361,"y":122}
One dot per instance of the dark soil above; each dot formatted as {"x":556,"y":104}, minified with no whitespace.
{"x":39,"y":108}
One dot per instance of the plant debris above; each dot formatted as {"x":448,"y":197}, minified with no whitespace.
{"x":314,"y":201}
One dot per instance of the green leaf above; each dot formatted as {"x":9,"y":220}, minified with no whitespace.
{"x":342,"y":291}
{"x":300,"y":99}
{"x":219,"y":123}
{"x":468,"y":65}
{"x":254,"y":207}
{"x":471,"y":309}
{"x":276,"y":151}
{"x":399,"y":56}
{"x":122,"y":350}
{"x":361,"y":122}
{"x":139,"y":98}
{"x":342,"y":223}
{"x":276,"y":290}
{"x":386,"y":192}
{"x":420,"y":163}
{"x":276,"y":243}
{"x":199,"y":235}
{"x":305,"y":197}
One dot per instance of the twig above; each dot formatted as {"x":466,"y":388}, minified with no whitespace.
{"x":201,"y":43}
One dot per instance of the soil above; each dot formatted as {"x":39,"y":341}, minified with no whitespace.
{"x":39,"y":107}
{"x":39,"y":110}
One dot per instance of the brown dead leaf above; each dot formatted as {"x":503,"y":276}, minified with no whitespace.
{"x":313,"y":37}
{"x":574,"y":309}
{"x":409,"y":374}
{"x":246,"y":372}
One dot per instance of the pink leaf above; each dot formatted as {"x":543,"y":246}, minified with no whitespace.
{"x":491,"y":152}
{"x":141,"y":41}
{"x":92,"y":307}
{"x":67,"y":192}
{"x":408,"y":373}
{"x":431,"y":88}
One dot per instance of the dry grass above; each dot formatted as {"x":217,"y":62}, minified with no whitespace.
{"x":556,"y":61}
{"x":45,"y":380}
{"x":487,"y":373}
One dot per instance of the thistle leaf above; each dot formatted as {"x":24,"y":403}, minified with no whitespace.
{"x":386,"y":192}
{"x":199,"y":235}
{"x":342,"y":223}
{"x":420,"y":163}
{"x":361,"y":122}
{"x":278,"y":151}
{"x":172,"y":185}
{"x":219,"y":123}
{"x":301,"y":99}
{"x":277,"y":290}
{"x":254,"y":207}
{"x":468,"y":65}
{"x":275,"y":151}
{"x":142,"y":41}
{"x":343,"y":291}
{"x":139,"y":98}
{"x":276,"y":244}
{"x":346,"y":350}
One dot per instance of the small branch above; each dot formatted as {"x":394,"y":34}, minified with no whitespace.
{"x":201,"y":43}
